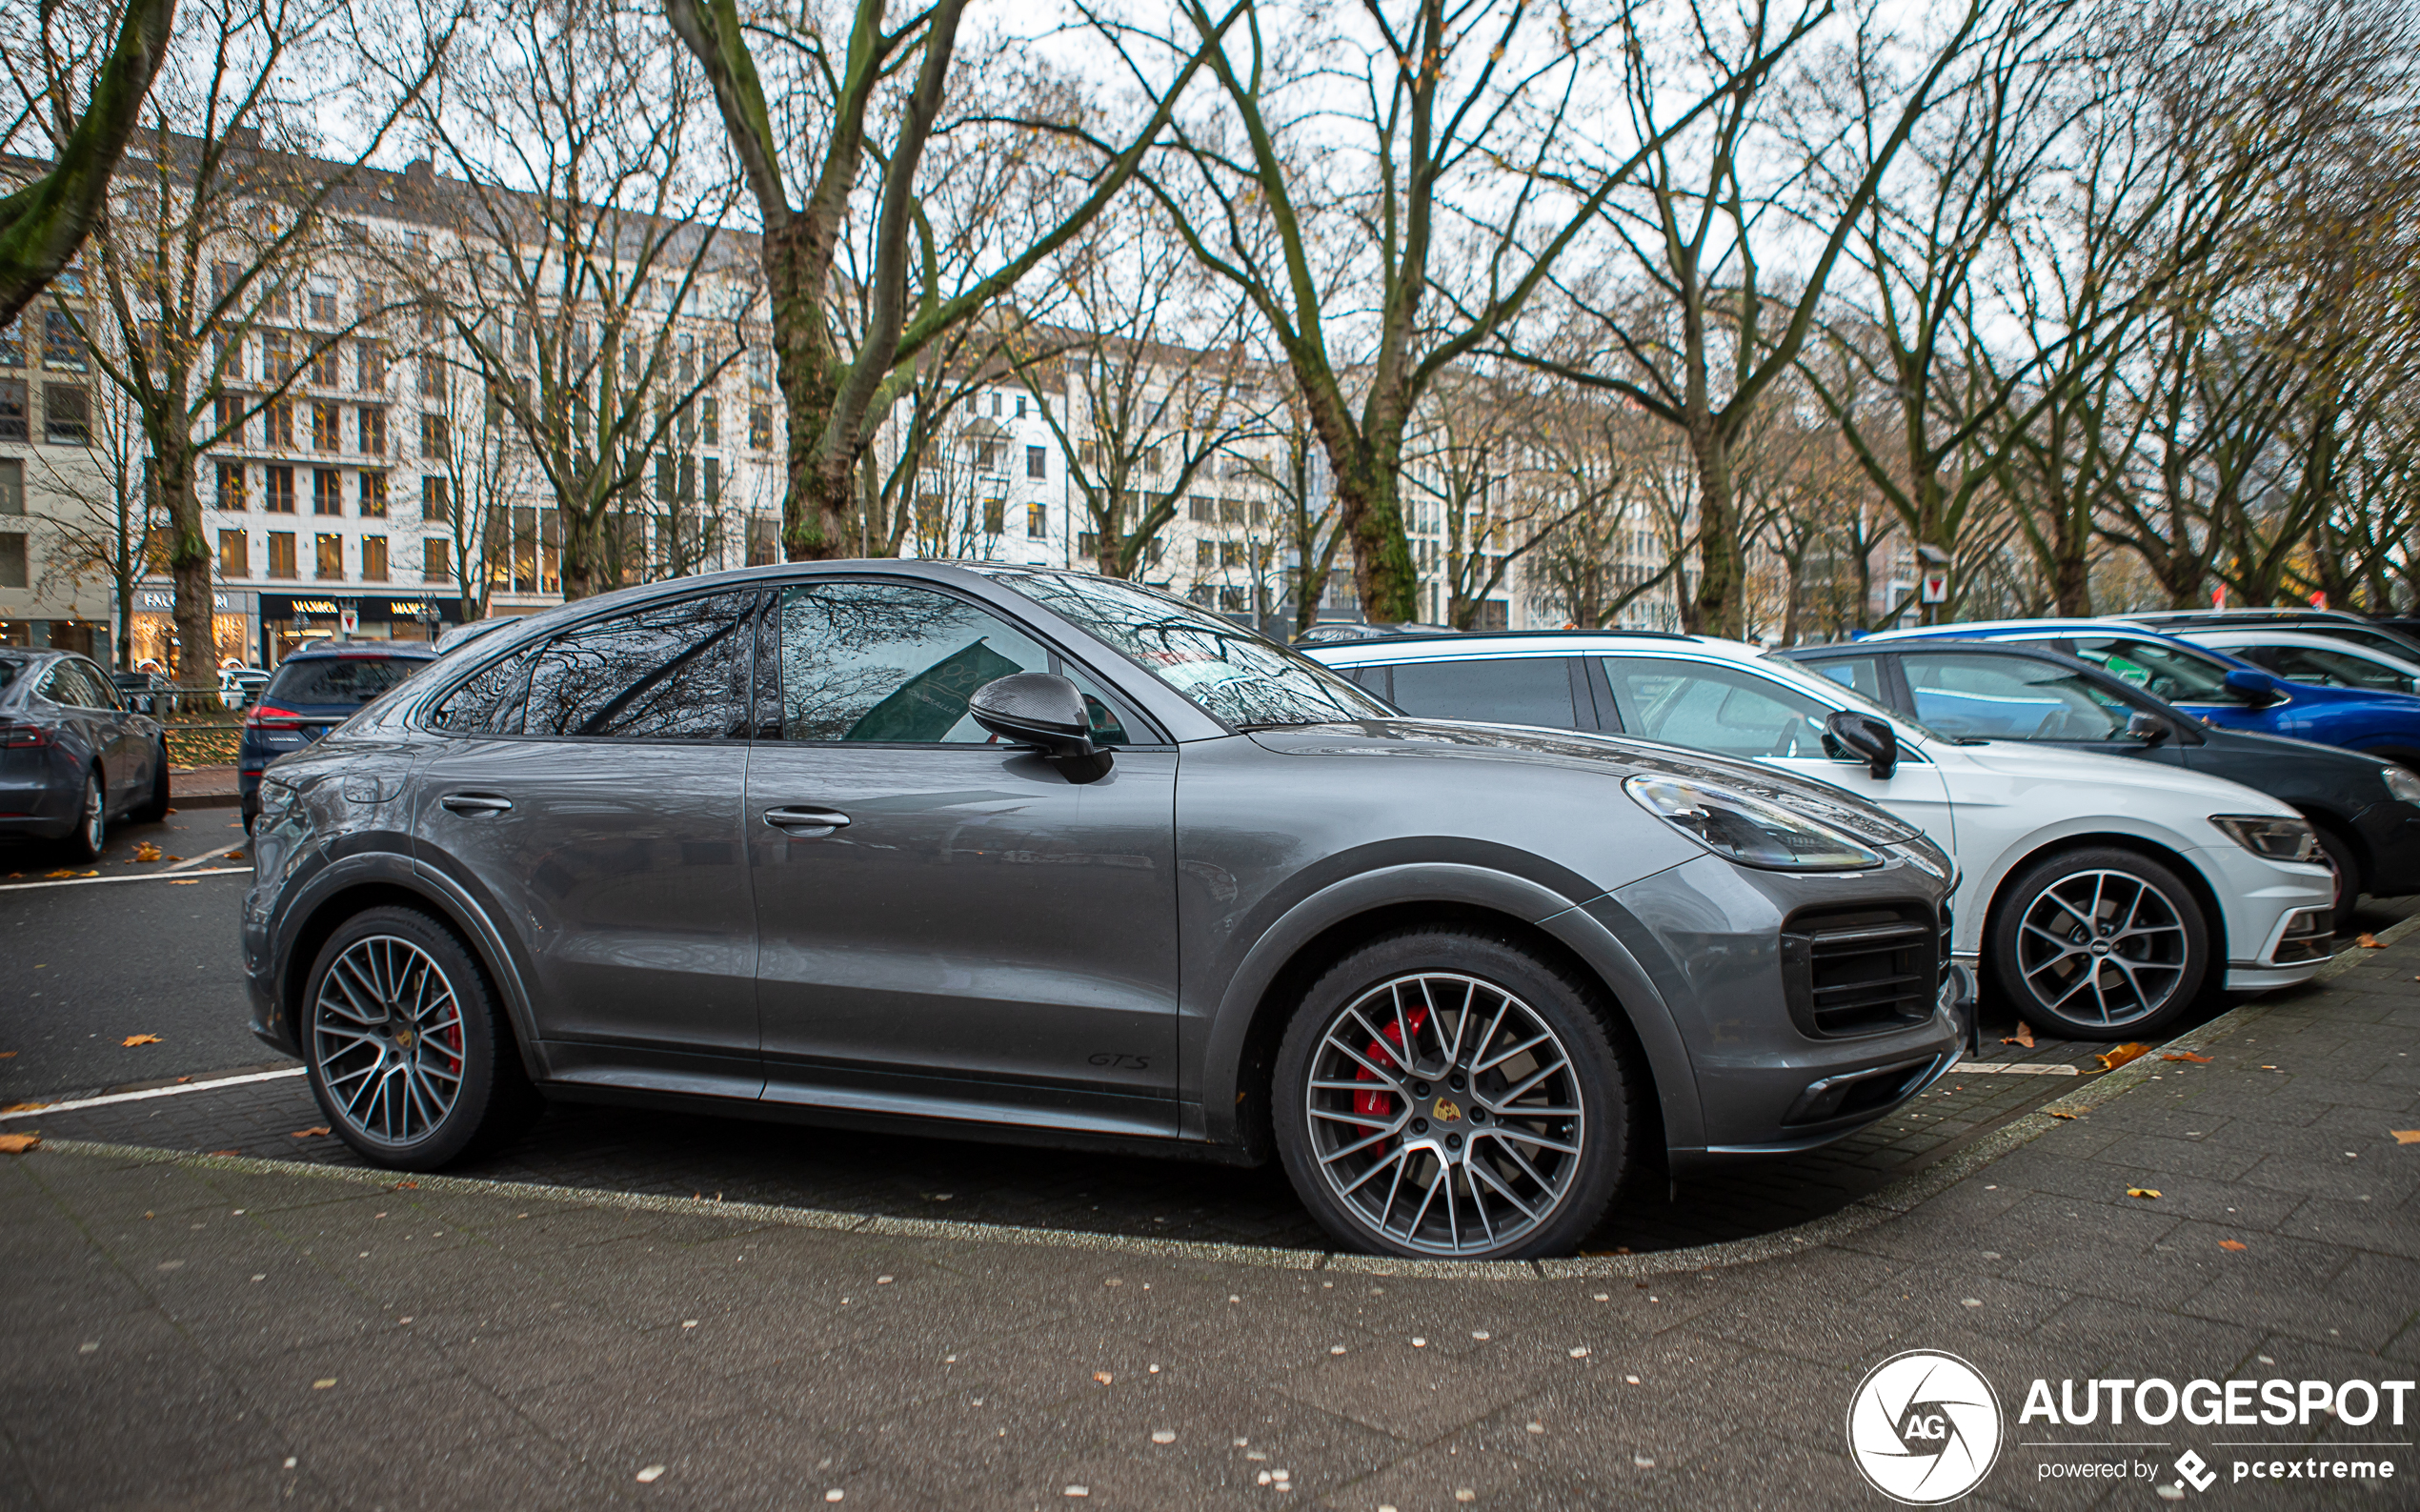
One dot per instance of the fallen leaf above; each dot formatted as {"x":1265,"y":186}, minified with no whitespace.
{"x":19,"y":1144}
{"x":226,"y":1152}
{"x":2405,"y":1135}
{"x":147,"y":852}
{"x":2023,"y":1036}
{"x":1102,"y":1376}
{"x":171,"y":857}
{"x":184,"y":881}
{"x":323,"y":1382}
{"x":234,"y":855}
{"x":2145,"y":1192}
{"x":2368,"y":943}
{"x":141,"y":1040}
{"x":305,"y":1134}
{"x":7,"y":1054}
{"x":2187,"y":1054}
{"x":24,"y":1107}
{"x":2058,"y":1113}
{"x":62,"y":872}
{"x":651,"y":1474}
{"x":2112,"y":1059}
{"x":2232,"y":1244}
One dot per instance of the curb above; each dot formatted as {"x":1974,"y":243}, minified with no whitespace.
{"x":1898,"y":1198}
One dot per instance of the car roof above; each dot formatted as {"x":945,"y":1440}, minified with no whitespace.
{"x":319,"y":649}
{"x":2310,"y":639}
{"x":2222,"y":617}
{"x":1467,"y":645}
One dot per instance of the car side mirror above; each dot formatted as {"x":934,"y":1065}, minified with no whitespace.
{"x":1045,"y":712}
{"x":2147,"y":727}
{"x":2258,"y":689}
{"x":1870,"y":740}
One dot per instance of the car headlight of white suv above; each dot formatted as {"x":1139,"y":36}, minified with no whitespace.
{"x":2276,"y":838}
{"x":1749,"y":831}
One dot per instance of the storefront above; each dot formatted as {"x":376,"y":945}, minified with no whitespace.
{"x":151,"y":628}
{"x":61,"y":635}
{"x":287,"y":620}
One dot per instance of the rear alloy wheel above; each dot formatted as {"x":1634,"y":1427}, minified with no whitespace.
{"x":2337,"y":852}
{"x":407,"y":1054}
{"x":91,"y":822}
{"x":2100,"y":945}
{"x":1446,"y":1095}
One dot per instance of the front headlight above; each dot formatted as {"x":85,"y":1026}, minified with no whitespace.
{"x":2279,"y":839}
{"x":1749,"y":831}
{"x":2402,"y":782}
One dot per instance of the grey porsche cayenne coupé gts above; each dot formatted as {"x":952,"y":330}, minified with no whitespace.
{"x":1042,"y":856}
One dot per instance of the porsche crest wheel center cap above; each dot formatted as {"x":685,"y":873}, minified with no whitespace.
{"x":1445,"y":1111}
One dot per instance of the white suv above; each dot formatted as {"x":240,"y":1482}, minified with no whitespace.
{"x":2099,"y":894}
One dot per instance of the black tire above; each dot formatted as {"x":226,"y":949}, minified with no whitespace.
{"x":91,"y":830}
{"x":382,"y":1080}
{"x":1567,"y":1167}
{"x":2149,"y":944}
{"x":2341,"y":859}
{"x":155,"y":808}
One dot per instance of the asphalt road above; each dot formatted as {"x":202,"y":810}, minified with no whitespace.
{"x":85,"y":965}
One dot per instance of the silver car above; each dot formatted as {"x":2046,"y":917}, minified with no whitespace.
{"x":1047,"y":856}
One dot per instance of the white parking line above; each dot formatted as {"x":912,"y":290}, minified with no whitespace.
{"x":2016,"y":1068}
{"x":179,"y":1090}
{"x":196,"y":860}
{"x":138,"y":877}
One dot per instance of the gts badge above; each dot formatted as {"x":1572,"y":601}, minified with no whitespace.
{"x":1117,"y":1063}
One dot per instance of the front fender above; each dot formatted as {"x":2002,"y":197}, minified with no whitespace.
{"x":1242,"y":1003}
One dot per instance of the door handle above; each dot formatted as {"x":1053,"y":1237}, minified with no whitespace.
{"x":470,"y":803}
{"x":803,"y":819}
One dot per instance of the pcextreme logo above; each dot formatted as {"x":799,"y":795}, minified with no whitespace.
{"x":1924,"y":1427}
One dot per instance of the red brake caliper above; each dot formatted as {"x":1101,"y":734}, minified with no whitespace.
{"x":1381,"y":1104}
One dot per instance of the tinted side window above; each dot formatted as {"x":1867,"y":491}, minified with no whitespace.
{"x":1861,"y":673}
{"x":60,"y":686}
{"x":669,"y":671}
{"x":891,"y":663}
{"x":1711,"y":708}
{"x":2329,"y":669}
{"x":1505,"y":689}
{"x":489,"y":704}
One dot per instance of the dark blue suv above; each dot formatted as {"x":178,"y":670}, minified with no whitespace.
{"x":2215,"y":686}
{"x":316,"y":689}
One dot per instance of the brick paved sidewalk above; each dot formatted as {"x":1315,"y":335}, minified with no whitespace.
{"x":177,"y":1333}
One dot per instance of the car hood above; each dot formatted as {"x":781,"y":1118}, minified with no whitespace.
{"x":2097,"y":773}
{"x":1615,"y":756}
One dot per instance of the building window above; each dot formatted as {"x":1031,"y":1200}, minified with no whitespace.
{"x":278,"y":491}
{"x":995,"y":516}
{"x":62,"y":346}
{"x":229,"y":408}
{"x":713,"y":480}
{"x":1087,"y":545}
{"x":1205,"y":557}
{"x":433,"y":435}
{"x":1036,"y":527}
{"x":663,"y":477}
{"x":1234,"y":600}
{"x":234,"y":555}
{"x":371,"y":360}
{"x":327,"y":491}
{"x":373,"y":558}
{"x":13,"y":344}
{"x":281,"y":554}
{"x":710,"y":420}
{"x":373,"y":431}
{"x":434,"y":502}
{"x":1231,"y":511}
{"x":327,"y":368}
{"x":67,"y":414}
{"x":1201,"y":508}
{"x":12,"y":560}
{"x":688,"y":480}
{"x":276,"y":355}
{"x":330,"y":565}
{"x":760,"y":425}
{"x":12,"y":415}
{"x":326,"y":421}
{"x":11,"y":486}
{"x":433,"y":376}
{"x":278,"y":420}
{"x":764,"y":540}
{"x":374,"y":495}
{"x":323,"y":307}
{"x":990,"y":457}
{"x":1036,"y":459}
{"x":231,"y":487}
{"x":436,"y":562}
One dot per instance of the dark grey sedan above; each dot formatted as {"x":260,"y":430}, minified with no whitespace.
{"x":72,"y":755}
{"x":1046,"y":857}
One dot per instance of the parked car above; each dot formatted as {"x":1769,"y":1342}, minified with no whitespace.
{"x":238,"y":686}
{"x":2099,"y":897}
{"x":941,"y":847}
{"x":2367,"y":812}
{"x":72,"y":755}
{"x":2394,"y":639}
{"x":142,"y":692}
{"x":2324,"y":661}
{"x":317,"y":687}
{"x":1335,"y":629}
{"x":2212,"y":684}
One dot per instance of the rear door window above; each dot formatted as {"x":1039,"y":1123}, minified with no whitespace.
{"x":1502,"y":690}
{"x":668,"y":671}
{"x":1861,"y":673}
{"x":352,"y":680}
{"x":2329,"y":669}
{"x":895,"y":664}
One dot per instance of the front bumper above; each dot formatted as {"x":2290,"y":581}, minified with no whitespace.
{"x":2275,"y":915}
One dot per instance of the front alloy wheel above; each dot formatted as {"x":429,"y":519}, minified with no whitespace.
{"x":2099,"y":944}
{"x":1456,"y":1114}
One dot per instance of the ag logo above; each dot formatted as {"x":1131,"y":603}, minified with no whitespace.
{"x":1924,"y":1427}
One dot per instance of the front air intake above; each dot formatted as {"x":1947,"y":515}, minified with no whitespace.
{"x":1862,"y":971}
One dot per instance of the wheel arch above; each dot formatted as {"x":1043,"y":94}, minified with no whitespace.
{"x":371,"y":881}
{"x":2204,"y":897}
{"x":1262,"y":994}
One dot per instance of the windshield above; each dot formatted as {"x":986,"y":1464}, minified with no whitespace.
{"x":2173,"y":673}
{"x":1975,"y":693}
{"x":1237,"y":676}
{"x":1816,"y":682}
{"x":340,"y":680}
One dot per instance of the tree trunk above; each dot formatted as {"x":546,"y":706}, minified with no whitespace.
{"x":585,"y":570}
{"x":1369,"y":493}
{"x":822,"y":493}
{"x":1719,"y":606}
{"x":189,"y":561}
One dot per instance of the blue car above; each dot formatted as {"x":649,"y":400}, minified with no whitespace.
{"x":2231,"y":694}
{"x":315,"y":689}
